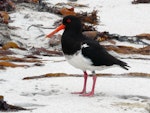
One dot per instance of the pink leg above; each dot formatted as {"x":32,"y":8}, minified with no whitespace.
{"x":93,"y":87}
{"x":84,"y":87}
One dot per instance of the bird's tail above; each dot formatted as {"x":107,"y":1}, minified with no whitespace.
{"x":124,"y":65}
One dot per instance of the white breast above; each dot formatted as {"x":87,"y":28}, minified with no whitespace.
{"x":79,"y":61}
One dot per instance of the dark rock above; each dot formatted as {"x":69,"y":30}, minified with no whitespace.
{"x":7,"y":107}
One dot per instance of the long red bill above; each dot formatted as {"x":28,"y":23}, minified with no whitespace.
{"x":56,"y":30}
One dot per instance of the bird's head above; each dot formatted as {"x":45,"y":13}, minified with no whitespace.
{"x":70,"y":22}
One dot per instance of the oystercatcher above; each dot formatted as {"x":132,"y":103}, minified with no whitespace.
{"x":84,"y":53}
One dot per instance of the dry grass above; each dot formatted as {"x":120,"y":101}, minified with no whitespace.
{"x":78,"y":75}
{"x":129,"y":49}
{"x":9,"y":64}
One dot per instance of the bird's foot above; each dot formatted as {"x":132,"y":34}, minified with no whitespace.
{"x":88,"y":94}
{"x":82,"y":92}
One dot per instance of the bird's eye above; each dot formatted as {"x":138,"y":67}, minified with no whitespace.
{"x":68,"y":20}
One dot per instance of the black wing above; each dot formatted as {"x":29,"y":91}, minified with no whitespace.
{"x":99,"y":56}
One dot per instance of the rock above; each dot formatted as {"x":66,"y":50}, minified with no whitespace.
{"x":7,"y":107}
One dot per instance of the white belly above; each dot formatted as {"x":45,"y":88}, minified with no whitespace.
{"x":79,"y":61}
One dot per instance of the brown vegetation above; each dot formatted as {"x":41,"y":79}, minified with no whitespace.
{"x":15,"y":59}
{"x":140,"y":1}
{"x":129,"y":49}
{"x":77,"y":75}
{"x":4,"y":17}
{"x":10,"y":45}
{"x":9,"y":64}
{"x":144,"y":36}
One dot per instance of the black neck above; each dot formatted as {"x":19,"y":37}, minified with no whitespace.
{"x":71,"y":41}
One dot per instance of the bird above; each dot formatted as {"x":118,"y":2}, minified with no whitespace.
{"x":84,"y":53}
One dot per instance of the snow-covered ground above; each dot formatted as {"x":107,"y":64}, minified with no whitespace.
{"x":53,"y":95}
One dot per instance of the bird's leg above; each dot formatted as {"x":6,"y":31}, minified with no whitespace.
{"x":84,"y":86}
{"x":93,"y":86}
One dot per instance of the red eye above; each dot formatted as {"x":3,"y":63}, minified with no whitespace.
{"x":68,"y":20}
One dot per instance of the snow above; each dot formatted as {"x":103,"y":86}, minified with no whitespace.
{"x":117,"y":94}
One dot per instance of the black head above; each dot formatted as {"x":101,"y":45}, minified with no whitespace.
{"x":72,"y":23}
